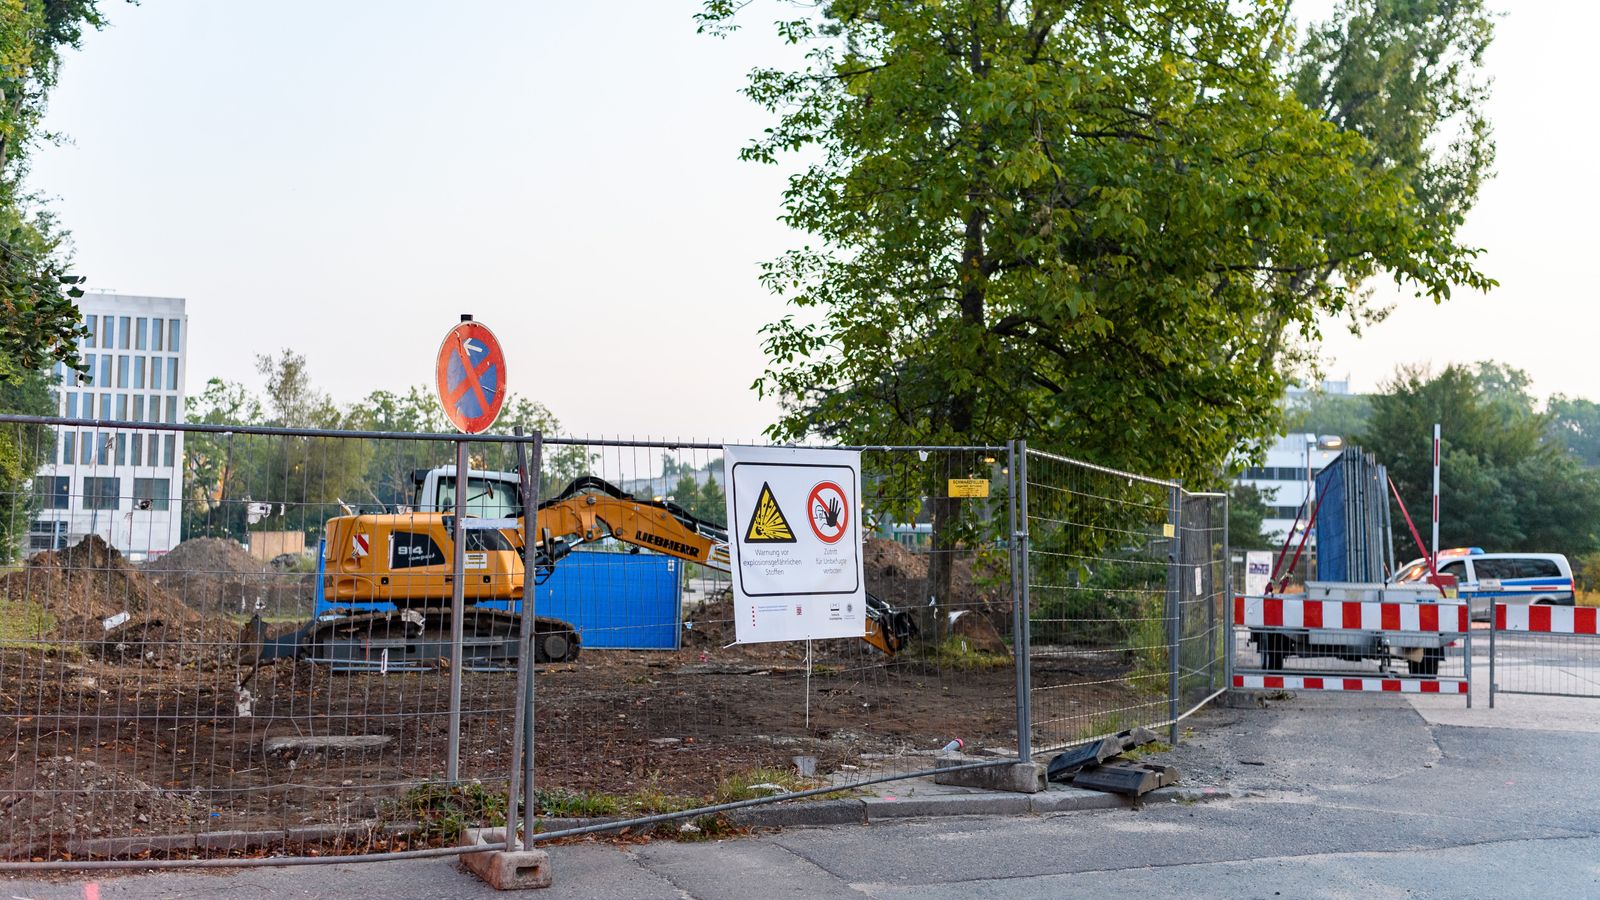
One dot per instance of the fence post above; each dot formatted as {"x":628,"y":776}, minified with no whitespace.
{"x":1494,"y":622}
{"x":520,"y":785}
{"x":458,"y":582}
{"x":1227,"y":595}
{"x":1022,"y":620}
{"x":1174,"y":608}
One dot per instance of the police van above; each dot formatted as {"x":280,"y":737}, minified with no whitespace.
{"x":1484,"y":579}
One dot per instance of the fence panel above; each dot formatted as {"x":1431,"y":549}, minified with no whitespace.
{"x":1123,"y":618}
{"x":1549,"y":650}
{"x":142,"y":715}
{"x":639,"y":734}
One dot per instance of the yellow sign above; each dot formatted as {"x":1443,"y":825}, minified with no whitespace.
{"x":1167,"y":530}
{"x":969,"y":487}
{"x":768,"y":524}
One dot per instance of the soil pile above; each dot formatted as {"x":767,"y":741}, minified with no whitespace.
{"x":899,"y":575}
{"x":89,"y":598}
{"x":217,"y":577}
{"x":63,"y":798}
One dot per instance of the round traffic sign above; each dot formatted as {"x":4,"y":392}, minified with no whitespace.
{"x":828,"y":511}
{"x":471,"y":377}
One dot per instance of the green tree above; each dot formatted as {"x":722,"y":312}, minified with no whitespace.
{"x":23,"y":449}
{"x":1503,"y":484}
{"x":1247,"y":509}
{"x":1575,"y":423}
{"x":389,"y":474}
{"x":1319,"y":412}
{"x":1096,"y":224}
{"x":38,"y":323}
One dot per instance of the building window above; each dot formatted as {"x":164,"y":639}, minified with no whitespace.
{"x":174,"y":329}
{"x":172,"y":409}
{"x":102,"y":443}
{"x":89,"y":323}
{"x":137,"y":456}
{"x":151,"y":493}
{"x":142,"y":336}
{"x":171,"y":443}
{"x":72,"y":404}
{"x":155,"y":372}
{"x":105,"y":371}
{"x":47,"y":534}
{"x":69,"y":447}
{"x":105,"y":406}
{"x":122,"y":449}
{"x":85,"y":447}
{"x":123,"y":327}
{"x":154,"y":456}
{"x":138,"y":371}
{"x":138,"y":407}
{"x":122,"y":371}
{"x":52,"y":491}
{"x":156,"y":332}
{"x":101,"y":493}
{"x":172,"y":374}
{"x":122,"y":407}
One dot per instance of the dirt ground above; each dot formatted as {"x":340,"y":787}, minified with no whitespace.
{"x":137,"y":729}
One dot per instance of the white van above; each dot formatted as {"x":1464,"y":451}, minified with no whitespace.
{"x":1487,"y":578}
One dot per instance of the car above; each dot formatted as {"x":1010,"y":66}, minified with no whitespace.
{"x":1483,"y":579}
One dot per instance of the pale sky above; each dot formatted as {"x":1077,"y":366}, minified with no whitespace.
{"x":346,"y":178}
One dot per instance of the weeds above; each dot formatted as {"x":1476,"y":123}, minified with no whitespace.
{"x":444,"y":811}
{"x":955,"y":652}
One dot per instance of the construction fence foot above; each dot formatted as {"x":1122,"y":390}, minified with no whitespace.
{"x":505,"y":870}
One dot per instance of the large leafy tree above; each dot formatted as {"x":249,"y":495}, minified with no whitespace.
{"x":1099,"y":224}
{"x":1504,"y":483}
{"x":38,"y":323}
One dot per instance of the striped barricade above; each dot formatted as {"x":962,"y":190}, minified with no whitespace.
{"x":1284,"y":628}
{"x":1560,"y":665}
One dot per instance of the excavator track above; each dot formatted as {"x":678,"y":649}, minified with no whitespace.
{"x":415,"y":639}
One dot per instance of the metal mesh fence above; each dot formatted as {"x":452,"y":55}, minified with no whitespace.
{"x":1125,"y":578}
{"x":703,"y":720}
{"x":144,"y":711}
{"x":1552,"y":663}
{"x":201,"y":656}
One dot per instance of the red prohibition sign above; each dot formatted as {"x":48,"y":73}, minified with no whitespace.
{"x":470,"y":374}
{"x":828,"y":513}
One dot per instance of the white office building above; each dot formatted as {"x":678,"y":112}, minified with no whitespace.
{"x":124,"y":484}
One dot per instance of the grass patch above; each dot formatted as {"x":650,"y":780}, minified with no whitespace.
{"x":957,"y":653}
{"x":1588,"y":598}
{"x":744,"y":785}
{"x":563,"y":803}
{"x":444,"y":811}
{"x":24,"y":624}
{"x":1149,"y":749}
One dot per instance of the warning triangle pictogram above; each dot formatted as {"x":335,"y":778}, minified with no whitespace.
{"x":768,"y":525}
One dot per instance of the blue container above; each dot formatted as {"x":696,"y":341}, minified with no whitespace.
{"x":616,"y":601}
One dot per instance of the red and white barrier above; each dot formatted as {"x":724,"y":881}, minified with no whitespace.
{"x":1547,"y":619}
{"x":1330,"y":683}
{"x":1283,"y":612}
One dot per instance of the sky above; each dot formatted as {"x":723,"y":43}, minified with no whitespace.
{"x":346,"y":179}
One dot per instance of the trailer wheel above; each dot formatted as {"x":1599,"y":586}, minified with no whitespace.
{"x":1274,"y":647}
{"x":1429,"y":663}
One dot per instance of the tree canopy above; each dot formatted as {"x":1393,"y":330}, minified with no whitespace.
{"x":38,"y":322}
{"x":1101,"y":225}
{"x":1505,"y":484}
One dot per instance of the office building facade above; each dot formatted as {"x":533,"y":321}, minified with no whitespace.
{"x":123,"y":483}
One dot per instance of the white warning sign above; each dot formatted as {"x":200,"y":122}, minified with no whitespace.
{"x":794,"y":524}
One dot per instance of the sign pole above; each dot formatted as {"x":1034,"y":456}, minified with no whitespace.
{"x":458,"y":612}
{"x":1435,"y":548}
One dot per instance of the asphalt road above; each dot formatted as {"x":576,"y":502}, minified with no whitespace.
{"x":1343,"y":795}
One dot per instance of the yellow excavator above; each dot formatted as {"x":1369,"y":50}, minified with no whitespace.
{"x":406,"y":559}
